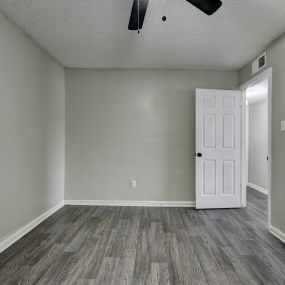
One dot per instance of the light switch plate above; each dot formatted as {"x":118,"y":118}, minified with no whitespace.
{"x":133,"y":183}
{"x":282,"y":126}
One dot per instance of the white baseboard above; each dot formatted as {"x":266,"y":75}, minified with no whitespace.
{"x":31,"y":225}
{"x":277,"y":233}
{"x":258,"y":188}
{"x":186,"y":204}
{"x":28,"y":227}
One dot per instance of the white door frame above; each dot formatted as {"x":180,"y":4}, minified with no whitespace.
{"x":267,"y":74}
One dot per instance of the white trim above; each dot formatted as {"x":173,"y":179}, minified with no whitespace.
{"x":244,"y":148}
{"x":258,"y":188}
{"x":277,"y":233}
{"x":31,"y":225}
{"x":262,"y":75}
{"x":127,"y":203}
{"x":28,"y":227}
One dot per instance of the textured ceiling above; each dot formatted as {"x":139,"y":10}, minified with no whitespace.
{"x":94,"y":34}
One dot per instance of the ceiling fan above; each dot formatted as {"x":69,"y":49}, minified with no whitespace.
{"x":139,"y":8}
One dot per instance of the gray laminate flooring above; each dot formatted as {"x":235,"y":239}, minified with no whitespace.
{"x":133,"y":245}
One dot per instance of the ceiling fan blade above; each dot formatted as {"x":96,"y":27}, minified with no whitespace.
{"x":209,"y":7}
{"x":141,"y":6}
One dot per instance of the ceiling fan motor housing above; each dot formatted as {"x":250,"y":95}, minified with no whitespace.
{"x":139,"y":9}
{"x":209,"y":7}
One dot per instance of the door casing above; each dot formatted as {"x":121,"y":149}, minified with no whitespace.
{"x":266,"y":74}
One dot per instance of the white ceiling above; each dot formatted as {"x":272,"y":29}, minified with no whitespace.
{"x":257,"y":92}
{"x":94,"y":33}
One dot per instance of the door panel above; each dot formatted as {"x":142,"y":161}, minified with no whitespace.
{"x":218,"y":142}
{"x":209,"y":177}
{"x":209,"y":131}
{"x":228,"y":132}
{"x":229,"y":101}
{"x":228,"y":177}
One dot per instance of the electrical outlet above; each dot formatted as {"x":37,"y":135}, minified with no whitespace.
{"x":133,"y":183}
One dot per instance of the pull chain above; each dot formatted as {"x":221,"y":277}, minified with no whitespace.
{"x":138,"y":16}
{"x":164,"y":14}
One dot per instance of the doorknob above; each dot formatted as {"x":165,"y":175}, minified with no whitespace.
{"x":199,"y":154}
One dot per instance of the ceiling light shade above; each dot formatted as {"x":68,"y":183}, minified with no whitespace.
{"x":209,"y":7}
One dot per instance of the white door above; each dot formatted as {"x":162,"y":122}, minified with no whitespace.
{"x":218,"y":129}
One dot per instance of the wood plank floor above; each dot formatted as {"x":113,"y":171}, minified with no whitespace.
{"x":133,"y":245}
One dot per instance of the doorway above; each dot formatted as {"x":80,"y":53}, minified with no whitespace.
{"x":257,"y":136}
{"x":222,"y":143}
{"x":256,"y":140}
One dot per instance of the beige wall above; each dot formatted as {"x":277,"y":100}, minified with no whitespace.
{"x":258,"y":144}
{"x":32,"y":98}
{"x":276,"y":59}
{"x":133,"y":124}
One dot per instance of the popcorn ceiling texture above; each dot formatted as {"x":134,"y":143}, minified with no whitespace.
{"x":94,"y":34}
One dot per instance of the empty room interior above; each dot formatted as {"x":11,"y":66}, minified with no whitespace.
{"x":141,"y":142}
